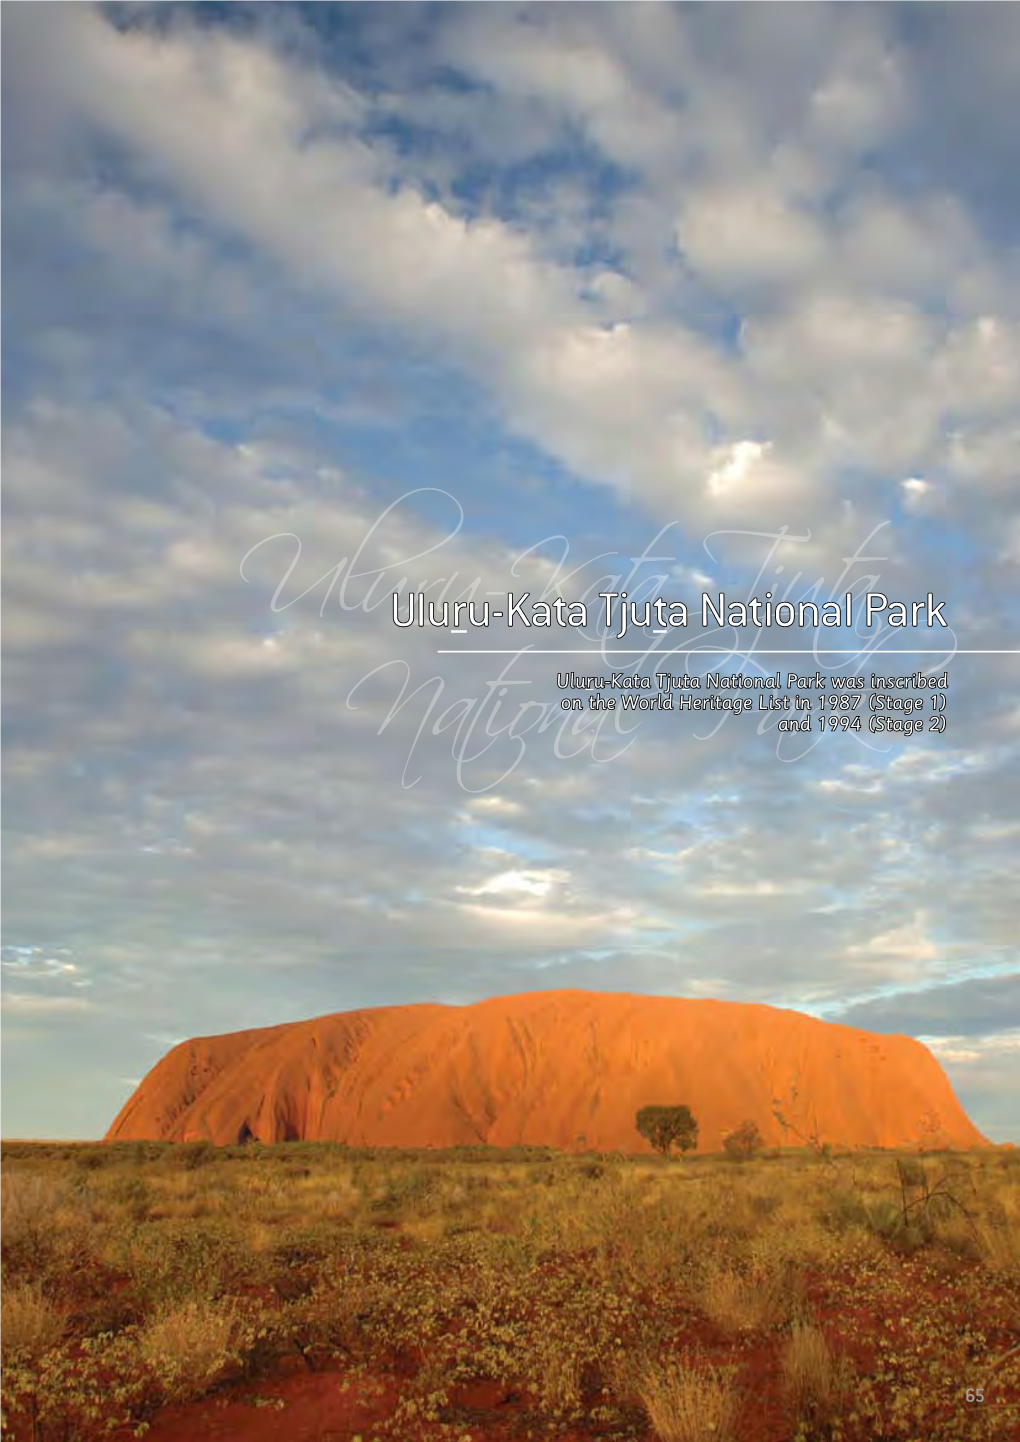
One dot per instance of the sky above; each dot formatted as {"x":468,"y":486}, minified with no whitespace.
{"x":309,"y":306}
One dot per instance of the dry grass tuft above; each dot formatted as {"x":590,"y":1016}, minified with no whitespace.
{"x":29,"y":1323}
{"x":559,"y":1369}
{"x":999,"y":1246}
{"x":817,"y":1384}
{"x":28,"y":1203}
{"x":188,"y":1345}
{"x":755,"y":1299}
{"x":689,"y":1402}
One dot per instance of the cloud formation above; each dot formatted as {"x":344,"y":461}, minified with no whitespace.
{"x":550,"y":298}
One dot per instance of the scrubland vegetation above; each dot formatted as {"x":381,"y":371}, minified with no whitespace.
{"x":172,"y":1290}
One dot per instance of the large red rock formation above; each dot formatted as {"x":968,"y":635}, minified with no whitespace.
{"x":558,"y":1068}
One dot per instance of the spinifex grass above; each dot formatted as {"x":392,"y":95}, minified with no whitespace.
{"x":575,"y":1295}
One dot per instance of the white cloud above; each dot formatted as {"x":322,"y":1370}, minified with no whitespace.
{"x":531,"y":883}
{"x":629,"y":403}
{"x":744,"y":235}
{"x":903,"y":949}
{"x":301,"y":283}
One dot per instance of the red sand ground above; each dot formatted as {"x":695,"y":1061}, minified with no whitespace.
{"x":567,"y":1069}
{"x":324,"y":1407}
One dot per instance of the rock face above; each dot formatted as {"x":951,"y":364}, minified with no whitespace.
{"x":567,"y":1069}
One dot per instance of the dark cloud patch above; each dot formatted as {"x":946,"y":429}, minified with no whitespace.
{"x":975,"y":1007}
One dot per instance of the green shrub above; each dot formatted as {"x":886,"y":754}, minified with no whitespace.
{"x":665,"y":1127}
{"x":743,"y":1142}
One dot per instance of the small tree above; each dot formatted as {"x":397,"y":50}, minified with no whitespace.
{"x":742,"y":1143}
{"x":662,"y":1126}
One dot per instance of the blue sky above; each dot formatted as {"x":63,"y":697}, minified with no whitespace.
{"x":503,"y":298}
